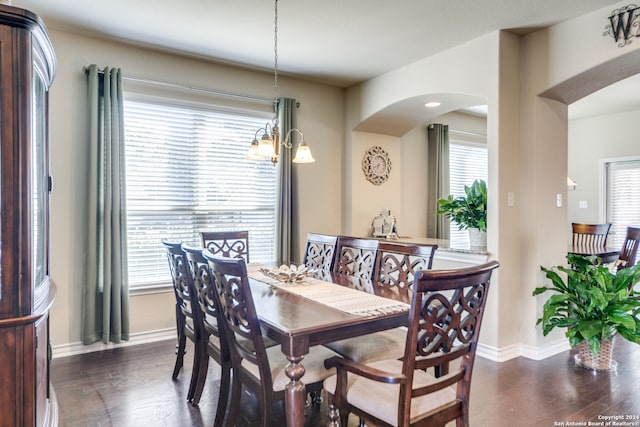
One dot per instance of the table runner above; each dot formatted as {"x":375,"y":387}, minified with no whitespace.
{"x":339,"y":297}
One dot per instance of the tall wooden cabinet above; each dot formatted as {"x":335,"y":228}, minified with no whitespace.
{"x":27,"y":66}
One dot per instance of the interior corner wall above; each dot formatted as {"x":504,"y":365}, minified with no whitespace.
{"x":321,"y":117}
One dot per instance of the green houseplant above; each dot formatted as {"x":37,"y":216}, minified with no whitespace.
{"x":593,"y":302}
{"x":468,"y":211}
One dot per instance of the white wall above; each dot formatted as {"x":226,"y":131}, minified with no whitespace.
{"x":321,"y":117}
{"x":591,"y":140}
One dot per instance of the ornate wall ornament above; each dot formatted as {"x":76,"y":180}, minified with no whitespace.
{"x":376,"y":165}
{"x":624,"y":24}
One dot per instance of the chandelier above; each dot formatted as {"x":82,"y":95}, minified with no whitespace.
{"x":268,"y":147}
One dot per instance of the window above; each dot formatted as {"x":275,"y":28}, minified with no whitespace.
{"x":186,"y":173}
{"x":467,"y":162}
{"x":622,"y":198}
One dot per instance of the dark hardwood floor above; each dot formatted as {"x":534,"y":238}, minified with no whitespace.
{"x":132,"y":386}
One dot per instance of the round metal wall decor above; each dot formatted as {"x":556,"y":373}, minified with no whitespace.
{"x":376,"y":165}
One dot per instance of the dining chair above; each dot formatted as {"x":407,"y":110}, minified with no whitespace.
{"x":589,"y":235}
{"x":319,"y":251}
{"x":356,"y":256}
{"x":444,"y":324}
{"x":230,"y":244}
{"x":212,"y":345}
{"x":629,"y":250}
{"x":188,"y":320}
{"x":396,"y":267}
{"x":261,"y":370}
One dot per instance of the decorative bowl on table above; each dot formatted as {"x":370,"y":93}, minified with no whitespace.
{"x":288,"y":273}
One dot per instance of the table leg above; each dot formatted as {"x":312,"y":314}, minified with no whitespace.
{"x":295,"y":393}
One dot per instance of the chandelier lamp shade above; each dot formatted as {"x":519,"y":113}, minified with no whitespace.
{"x":270,"y":143}
{"x":268,"y":147}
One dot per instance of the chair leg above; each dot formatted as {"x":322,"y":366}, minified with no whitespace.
{"x":334,"y":414}
{"x":182,"y":342}
{"x":267,"y":409}
{"x":203,"y":368}
{"x":236,"y":395}
{"x":195,"y":372}
{"x":223,"y":397}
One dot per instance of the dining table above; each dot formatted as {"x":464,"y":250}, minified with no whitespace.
{"x":605,"y":253}
{"x":319,"y":309}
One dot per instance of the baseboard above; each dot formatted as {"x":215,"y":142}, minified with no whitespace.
{"x":485,"y":351}
{"x":522,"y":350}
{"x":71,"y":349}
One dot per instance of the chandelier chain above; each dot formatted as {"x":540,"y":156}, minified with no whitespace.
{"x":275,"y":52}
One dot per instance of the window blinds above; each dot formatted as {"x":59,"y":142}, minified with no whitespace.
{"x":623,"y":199}
{"x":186,"y":173}
{"x":467,"y":162}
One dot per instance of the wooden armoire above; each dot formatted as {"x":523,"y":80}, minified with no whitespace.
{"x":27,"y":67}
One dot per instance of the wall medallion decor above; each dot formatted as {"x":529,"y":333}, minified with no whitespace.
{"x":376,"y":165}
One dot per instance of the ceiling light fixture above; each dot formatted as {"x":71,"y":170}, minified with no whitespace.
{"x":269,"y":145}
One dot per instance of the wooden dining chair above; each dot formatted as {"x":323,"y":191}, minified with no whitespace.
{"x":188,"y":320}
{"x":212,"y":344}
{"x":444,"y":324}
{"x":319,"y":251}
{"x":230,"y":244}
{"x":396,"y":267}
{"x":629,"y":250}
{"x":259,"y":369}
{"x":589,"y":235}
{"x":356,"y":256}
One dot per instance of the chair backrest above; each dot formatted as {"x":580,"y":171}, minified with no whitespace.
{"x":238,"y":314}
{"x":397,"y":265}
{"x":183,"y":288}
{"x":320,"y":251}
{"x":201,"y":278}
{"x":590,"y":235}
{"x":355,"y":256}
{"x":444,"y":324}
{"x":229,"y":244}
{"x":629,"y":248}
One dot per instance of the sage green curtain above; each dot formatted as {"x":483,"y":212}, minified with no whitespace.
{"x":438,"y":179}
{"x":285,"y":211}
{"x":105,"y":297}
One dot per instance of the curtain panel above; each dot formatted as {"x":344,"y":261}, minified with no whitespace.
{"x":438,"y":226}
{"x":285,"y":211}
{"x":105,"y":297}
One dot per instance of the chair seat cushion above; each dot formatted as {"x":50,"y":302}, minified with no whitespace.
{"x":381,"y":399}
{"x":382,"y":345}
{"x":313,"y":363}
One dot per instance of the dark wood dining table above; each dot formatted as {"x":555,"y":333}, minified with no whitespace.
{"x":607,"y":254}
{"x":297,"y":323}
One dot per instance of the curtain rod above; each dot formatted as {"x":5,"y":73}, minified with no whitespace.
{"x":85,"y":70}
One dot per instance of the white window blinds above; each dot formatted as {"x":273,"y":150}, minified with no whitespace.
{"x":186,"y":173}
{"x":623,"y":199}
{"x":467,"y":162}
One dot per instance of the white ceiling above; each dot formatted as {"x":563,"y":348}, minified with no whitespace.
{"x":338,"y":42}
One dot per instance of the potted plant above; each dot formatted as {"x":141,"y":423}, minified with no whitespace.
{"x":469,"y":211}
{"x":595,"y":303}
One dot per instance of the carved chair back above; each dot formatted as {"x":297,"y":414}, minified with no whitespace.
{"x":229,"y":244}
{"x":319,"y":252}
{"x":356,"y":256}
{"x":397,"y":265}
